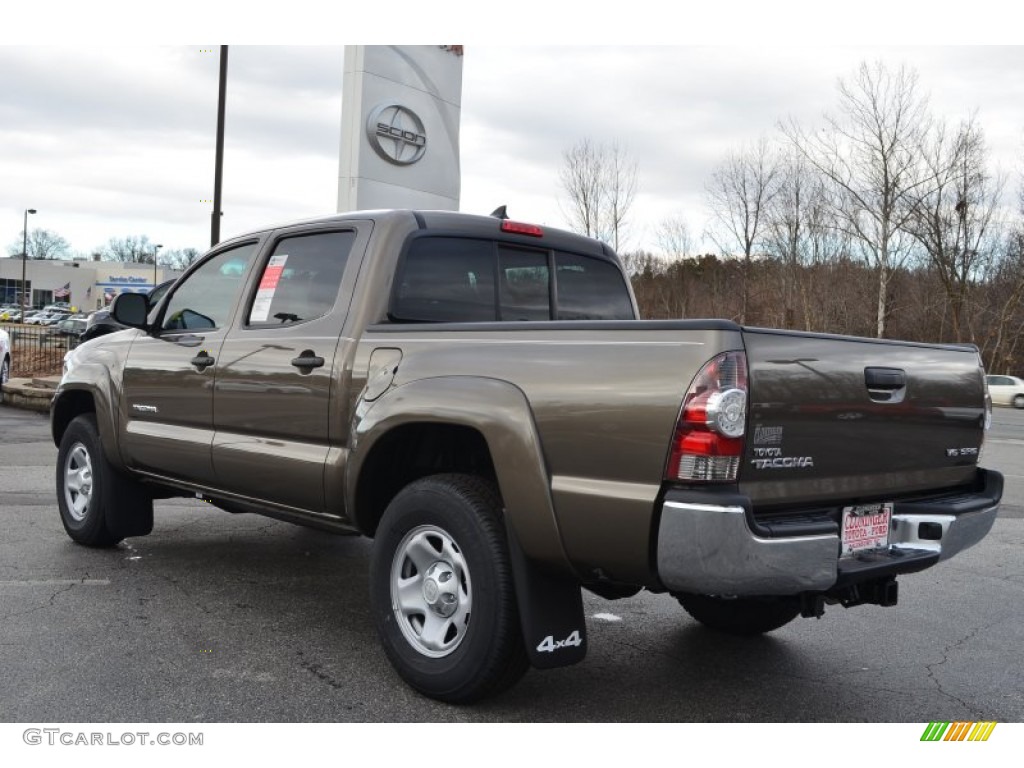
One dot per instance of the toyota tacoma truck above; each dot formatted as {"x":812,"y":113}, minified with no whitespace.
{"x":479,"y":396}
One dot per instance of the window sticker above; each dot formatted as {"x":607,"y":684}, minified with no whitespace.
{"x":268,"y":287}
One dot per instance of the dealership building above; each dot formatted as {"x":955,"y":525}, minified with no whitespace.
{"x":86,"y":285}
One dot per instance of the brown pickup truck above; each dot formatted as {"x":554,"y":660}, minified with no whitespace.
{"x":478,"y":396}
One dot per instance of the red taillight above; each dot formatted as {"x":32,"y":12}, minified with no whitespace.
{"x":708,"y":441}
{"x":519,"y":228}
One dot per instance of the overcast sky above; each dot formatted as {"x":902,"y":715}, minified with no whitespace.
{"x":112,"y":141}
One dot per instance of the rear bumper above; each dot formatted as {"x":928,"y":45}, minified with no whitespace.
{"x":707,"y":545}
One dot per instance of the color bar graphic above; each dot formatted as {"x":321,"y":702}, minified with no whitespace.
{"x":958,"y":731}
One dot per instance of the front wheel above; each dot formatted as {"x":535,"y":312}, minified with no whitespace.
{"x":741,"y":615}
{"x":98,"y":506}
{"x":442,"y":593}
{"x":1018,"y":401}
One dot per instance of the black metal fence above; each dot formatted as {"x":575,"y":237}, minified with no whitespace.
{"x":37,"y":350}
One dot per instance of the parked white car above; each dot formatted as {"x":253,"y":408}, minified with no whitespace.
{"x":5,"y":361}
{"x":1006,"y":390}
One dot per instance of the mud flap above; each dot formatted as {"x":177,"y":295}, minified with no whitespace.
{"x":550,"y":611}
{"x":135,"y":511}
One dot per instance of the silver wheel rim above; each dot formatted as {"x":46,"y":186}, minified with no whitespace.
{"x":78,"y":482}
{"x":431,"y":593}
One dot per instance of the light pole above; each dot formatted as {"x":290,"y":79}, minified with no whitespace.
{"x":24,"y":260}
{"x":156,"y":249}
{"x":218,"y":162}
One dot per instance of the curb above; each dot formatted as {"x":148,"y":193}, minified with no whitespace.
{"x":30,"y":394}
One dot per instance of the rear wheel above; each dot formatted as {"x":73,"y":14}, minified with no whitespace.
{"x":741,"y":615}
{"x":442,"y":593}
{"x":98,"y":506}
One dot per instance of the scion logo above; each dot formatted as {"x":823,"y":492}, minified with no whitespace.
{"x":396,"y":134}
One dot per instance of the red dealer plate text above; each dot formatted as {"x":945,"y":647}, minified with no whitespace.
{"x":866,"y":527}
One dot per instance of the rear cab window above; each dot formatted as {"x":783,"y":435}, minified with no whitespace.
{"x":465,"y":279}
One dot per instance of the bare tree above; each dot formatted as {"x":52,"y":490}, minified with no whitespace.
{"x":581,"y":180}
{"x":954,"y":217}
{"x":180,"y":258}
{"x":869,"y":151}
{"x":600,"y":183}
{"x":1003,"y":323}
{"x":674,"y":238}
{"x":620,"y":190}
{"x":133,"y":249}
{"x":675,"y":242}
{"x":739,"y":193}
{"x":1003,"y":306}
{"x":42,"y":244}
{"x":789,"y":230}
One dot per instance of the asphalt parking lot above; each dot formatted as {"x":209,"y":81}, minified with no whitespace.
{"x":218,"y":617}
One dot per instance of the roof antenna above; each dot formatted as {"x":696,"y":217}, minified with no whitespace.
{"x":500,"y":212}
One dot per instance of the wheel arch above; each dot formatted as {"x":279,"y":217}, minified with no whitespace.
{"x":413,"y":450}
{"x":71,"y":402}
{"x":481,"y":426}
{"x":66,"y":406}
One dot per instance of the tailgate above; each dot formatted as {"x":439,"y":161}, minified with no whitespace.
{"x":834,"y":418}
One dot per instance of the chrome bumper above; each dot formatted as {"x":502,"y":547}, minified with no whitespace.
{"x":710,"y":549}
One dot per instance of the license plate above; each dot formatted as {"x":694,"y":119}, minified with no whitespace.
{"x":866,"y":527}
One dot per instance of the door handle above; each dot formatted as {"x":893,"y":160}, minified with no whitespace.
{"x":885,"y":385}
{"x":307,"y":361}
{"x":202,"y":361}
{"x":884,"y":378}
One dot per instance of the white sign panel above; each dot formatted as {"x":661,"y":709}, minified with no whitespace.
{"x":401,"y":107}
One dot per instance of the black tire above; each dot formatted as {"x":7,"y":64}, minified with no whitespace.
{"x":98,"y":506}
{"x":1018,"y":401}
{"x":452,"y":524}
{"x":741,"y":615}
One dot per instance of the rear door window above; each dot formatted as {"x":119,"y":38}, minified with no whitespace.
{"x":301,"y":279}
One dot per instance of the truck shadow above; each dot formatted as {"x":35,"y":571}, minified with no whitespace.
{"x":287,"y":608}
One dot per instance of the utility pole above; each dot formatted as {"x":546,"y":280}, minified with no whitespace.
{"x":218,"y":172}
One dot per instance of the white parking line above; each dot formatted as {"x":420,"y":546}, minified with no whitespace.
{"x":56,"y":582}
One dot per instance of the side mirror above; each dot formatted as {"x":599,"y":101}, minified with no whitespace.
{"x":130,"y":309}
